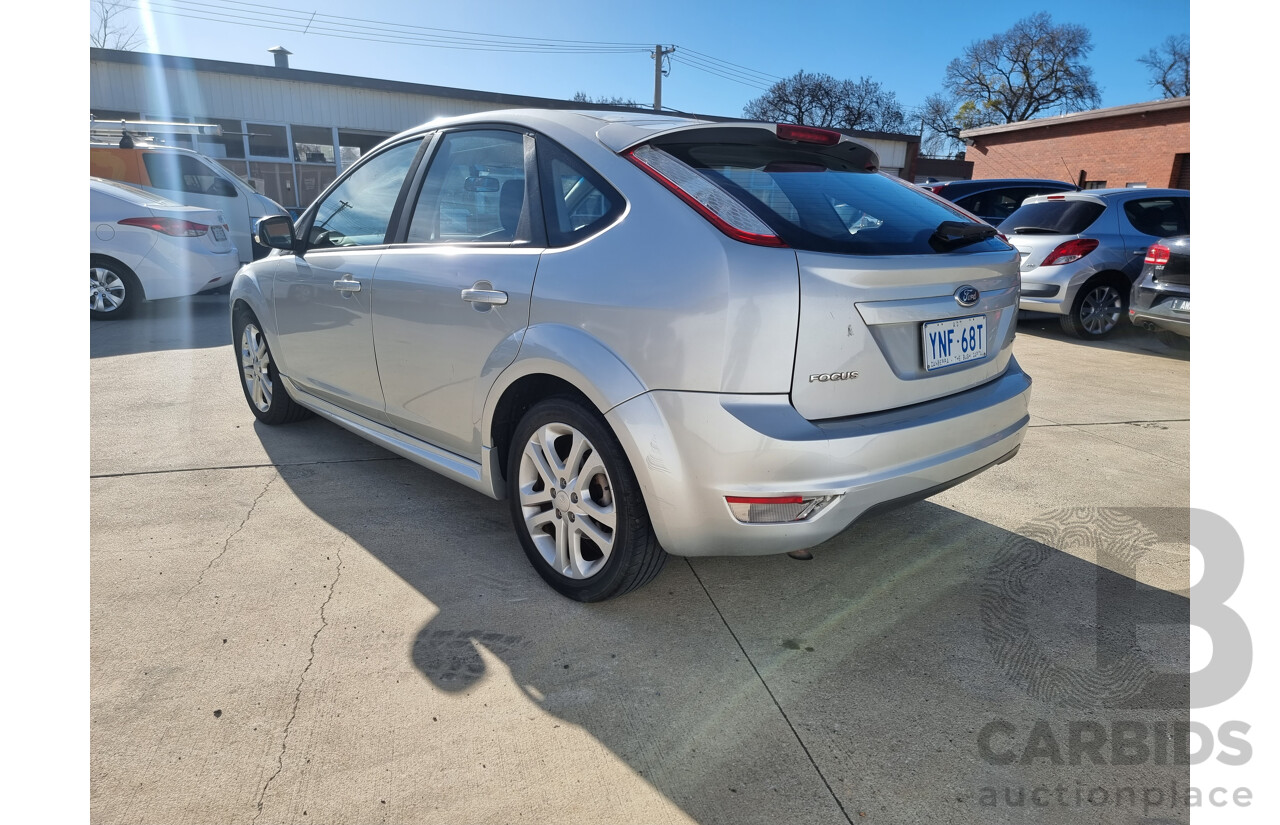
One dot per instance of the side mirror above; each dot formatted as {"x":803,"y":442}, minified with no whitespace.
{"x":275,"y":232}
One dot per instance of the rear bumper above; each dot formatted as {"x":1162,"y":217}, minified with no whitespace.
{"x":1151,"y":307}
{"x":690,"y":450}
{"x":171,"y":272}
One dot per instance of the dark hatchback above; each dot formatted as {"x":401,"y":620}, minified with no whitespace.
{"x":1161,"y":299}
{"x":995,"y":199}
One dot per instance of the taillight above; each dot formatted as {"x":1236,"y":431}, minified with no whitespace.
{"x":808,"y":134}
{"x":169,"y":226}
{"x":723,"y":210}
{"x":1157,"y":254}
{"x":1070,"y":251}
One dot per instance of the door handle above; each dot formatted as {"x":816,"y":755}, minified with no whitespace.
{"x":347,"y":284}
{"x":493,"y":297}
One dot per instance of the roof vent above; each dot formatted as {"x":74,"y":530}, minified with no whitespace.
{"x":282,"y":56}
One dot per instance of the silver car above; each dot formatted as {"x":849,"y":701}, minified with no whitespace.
{"x":1082,"y":251}
{"x":648,"y":334}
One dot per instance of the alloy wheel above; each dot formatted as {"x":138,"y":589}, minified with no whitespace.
{"x":255,"y":359}
{"x":567,"y":501}
{"x":1100,"y":310}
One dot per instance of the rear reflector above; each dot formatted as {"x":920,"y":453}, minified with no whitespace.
{"x":776,"y":509}
{"x":1070,"y":251}
{"x":1157,"y":254}
{"x":168,"y":226}
{"x":808,"y":134}
{"x":723,"y":210}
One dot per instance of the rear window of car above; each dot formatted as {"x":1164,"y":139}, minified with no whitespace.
{"x":1065,"y":217}
{"x":818,"y":202}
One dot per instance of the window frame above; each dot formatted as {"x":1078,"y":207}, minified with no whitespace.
{"x":409,"y":202}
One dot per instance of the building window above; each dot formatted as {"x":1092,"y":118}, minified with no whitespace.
{"x":354,"y":145}
{"x":312,"y":144}
{"x":268,"y":141}
{"x":230,"y":144}
{"x":1094,"y":184}
{"x":1181,"y":177}
{"x":1142,"y":184}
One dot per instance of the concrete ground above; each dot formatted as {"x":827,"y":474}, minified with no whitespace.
{"x":291,"y":625}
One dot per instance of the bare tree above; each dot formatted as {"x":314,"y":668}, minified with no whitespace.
{"x":1035,"y":67}
{"x":815,"y":99}
{"x":1170,"y":66}
{"x":108,"y":29}
{"x":583,"y":97}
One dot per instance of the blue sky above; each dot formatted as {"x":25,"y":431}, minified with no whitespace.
{"x":905,"y":47}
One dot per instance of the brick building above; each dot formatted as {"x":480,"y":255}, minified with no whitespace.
{"x":1142,"y":144}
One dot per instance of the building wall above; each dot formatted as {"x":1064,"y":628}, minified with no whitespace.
{"x":1131,"y":148}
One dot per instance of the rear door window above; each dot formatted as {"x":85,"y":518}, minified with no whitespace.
{"x":474,"y":191}
{"x":1161,"y":217}
{"x":817,"y":202}
{"x":1064,"y":217}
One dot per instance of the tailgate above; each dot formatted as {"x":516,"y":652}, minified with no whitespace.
{"x":878,"y":333}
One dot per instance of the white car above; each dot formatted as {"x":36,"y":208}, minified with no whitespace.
{"x":143,"y":247}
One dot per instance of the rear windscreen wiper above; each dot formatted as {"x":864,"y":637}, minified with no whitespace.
{"x":957,"y":233}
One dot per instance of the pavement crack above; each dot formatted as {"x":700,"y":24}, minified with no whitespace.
{"x":226,"y":544}
{"x":769,"y":691}
{"x":297,"y":693}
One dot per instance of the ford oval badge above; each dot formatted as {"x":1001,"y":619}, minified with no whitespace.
{"x":967,"y":296}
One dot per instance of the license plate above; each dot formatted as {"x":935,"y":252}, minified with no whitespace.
{"x":956,"y":341}
{"x":1180,"y":305}
{"x":219,"y":234}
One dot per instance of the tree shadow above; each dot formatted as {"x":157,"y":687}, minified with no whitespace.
{"x":766,"y":689}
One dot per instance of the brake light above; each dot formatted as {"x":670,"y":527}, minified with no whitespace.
{"x":808,"y":134}
{"x":723,"y":210}
{"x":1157,"y":254}
{"x":1070,"y":251}
{"x":169,"y":226}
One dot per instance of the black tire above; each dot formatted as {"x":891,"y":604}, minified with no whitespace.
{"x":259,"y":378}
{"x":589,"y":487}
{"x":114,"y":291}
{"x":1099,"y":309}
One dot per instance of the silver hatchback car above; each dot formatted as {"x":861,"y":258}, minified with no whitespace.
{"x":1082,"y":251}
{"x":648,"y":334}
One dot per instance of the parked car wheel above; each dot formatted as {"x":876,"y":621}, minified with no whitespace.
{"x":114,"y":291}
{"x":576,"y":504}
{"x":260,"y":380}
{"x":1098,"y":309}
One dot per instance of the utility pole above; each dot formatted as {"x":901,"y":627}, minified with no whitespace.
{"x":658,"y":54}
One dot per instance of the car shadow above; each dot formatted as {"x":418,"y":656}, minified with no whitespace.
{"x":195,"y":322}
{"x":866,"y":681}
{"x":1126,"y":338}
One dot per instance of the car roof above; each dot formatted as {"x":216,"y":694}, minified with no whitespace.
{"x":986,"y":183}
{"x":616,"y":130}
{"x":1105,"y":196}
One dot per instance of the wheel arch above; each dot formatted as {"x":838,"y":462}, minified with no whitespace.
{"x":554,"y":360}
{"x":114,"y":261}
